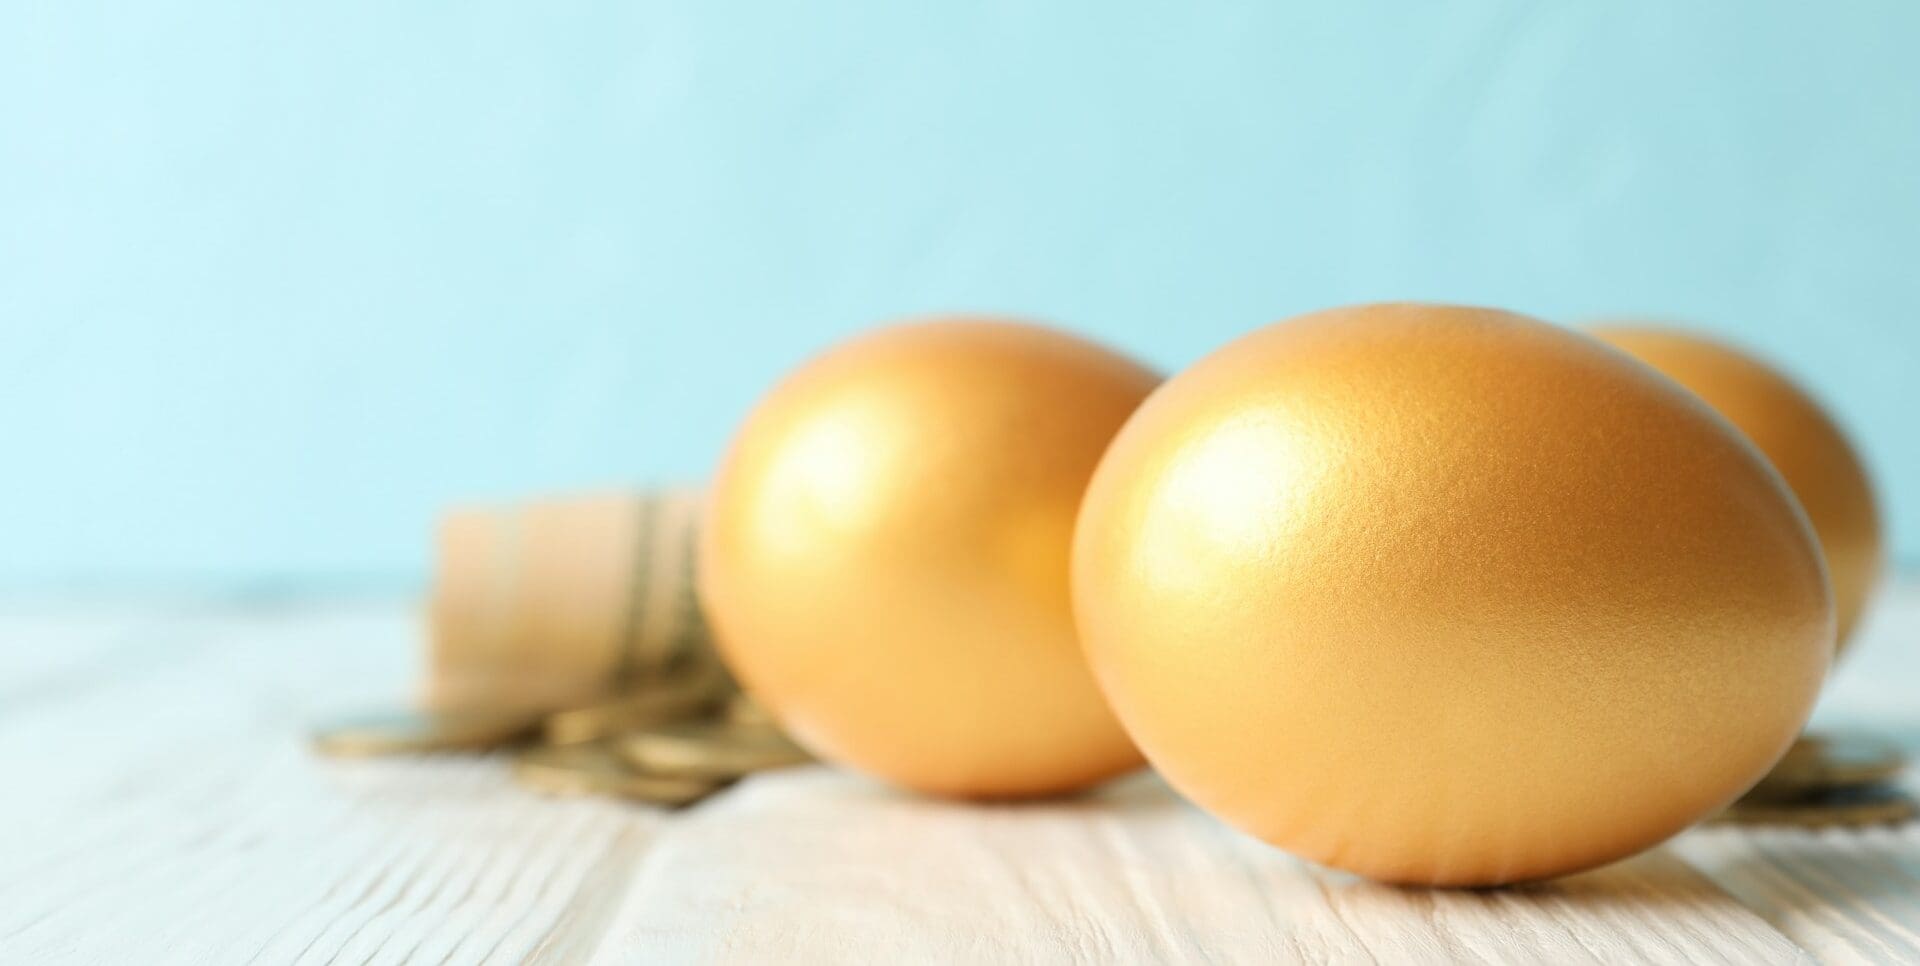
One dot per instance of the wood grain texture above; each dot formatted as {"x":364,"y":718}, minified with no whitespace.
{"x":162,"y":807}
{"x":842,"y":870}
{"x":167,"y":809}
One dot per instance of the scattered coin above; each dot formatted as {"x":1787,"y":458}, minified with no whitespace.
{"x":1819,"y":763}
{"x":657,"y":703}
{"x":711,"y":749}
{"x":1846,"y":807}
{"x":595,"y":769}
{"x":413,"y":732}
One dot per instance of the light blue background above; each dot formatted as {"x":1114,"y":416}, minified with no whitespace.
{"x":278,"y":280}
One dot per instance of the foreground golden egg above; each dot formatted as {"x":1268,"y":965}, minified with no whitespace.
{"x":1447,"y":595}
{"x":1796,"y":435}
{"x":885,"y":557}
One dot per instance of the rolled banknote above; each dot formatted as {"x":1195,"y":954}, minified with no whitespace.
{"x":556,"y":601}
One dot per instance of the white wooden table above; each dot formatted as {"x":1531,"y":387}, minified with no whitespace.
{"x":158,"y":804}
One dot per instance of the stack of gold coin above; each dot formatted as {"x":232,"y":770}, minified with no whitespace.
{"x":1829,"y":781}
{"x":723,"y":749}
{"x":669,"y":741}
{"x":567,"y":631}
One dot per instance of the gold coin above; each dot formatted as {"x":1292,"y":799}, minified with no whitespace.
{"x":1818,"y":763}
{"x":646,"y":705}
{"x":595,"y":769}
{"x":711,"y":749}
{"x":1850,"y":807}
{"x":413,"y":732}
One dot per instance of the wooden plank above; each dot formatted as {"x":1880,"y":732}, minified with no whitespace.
{"x":169,"y":811}
{"x":812,"y":865}
{"x":47,"y":649}
{"x":1846,"y":897}
{"x":162,"y":807}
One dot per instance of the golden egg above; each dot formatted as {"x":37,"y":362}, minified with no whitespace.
{"x":1796,"y":435}
{"x":1447,"y":595}
{"x":885,"y":557}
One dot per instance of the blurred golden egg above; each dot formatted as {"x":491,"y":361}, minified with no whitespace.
{"x":1447,"y":595}
{"x":886,"y":555}
{"x":1796,"y":435}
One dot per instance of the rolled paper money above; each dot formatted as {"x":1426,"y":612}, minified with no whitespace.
{"x":554,"y":602}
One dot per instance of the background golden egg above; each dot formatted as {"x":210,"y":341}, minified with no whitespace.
{"x":1447,"y":595}
{"x":886,"y":555}
{"x":1796,"y":435}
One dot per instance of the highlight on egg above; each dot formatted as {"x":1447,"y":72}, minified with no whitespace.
{"x":1800,"y":439}
{"x":1447,"y":595}
{"x":885,"y":555}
